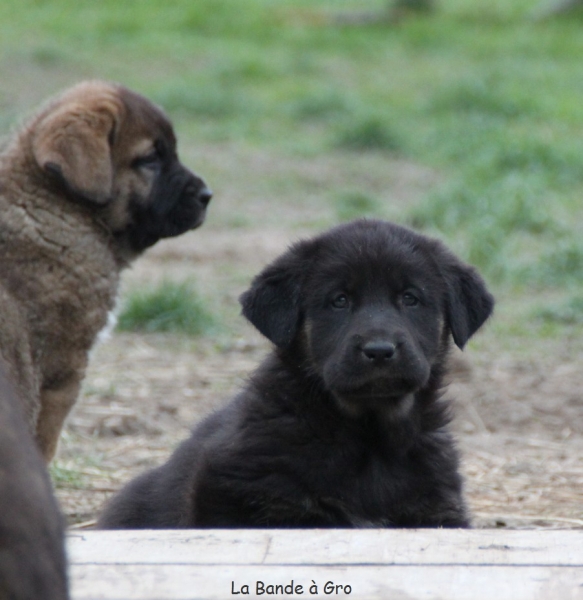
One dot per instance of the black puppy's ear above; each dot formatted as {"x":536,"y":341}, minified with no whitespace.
{"x":469,"y":303}
{"x":273,"y":302}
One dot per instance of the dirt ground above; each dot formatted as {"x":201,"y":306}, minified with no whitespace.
{"x":519,"y":417}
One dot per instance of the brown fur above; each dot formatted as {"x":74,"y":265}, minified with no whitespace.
{"x":85,"y":186}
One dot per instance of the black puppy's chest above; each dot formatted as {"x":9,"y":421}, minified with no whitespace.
{"x":364,"y":480}
{"x":320,"y":469}
{"x":298,"y":459}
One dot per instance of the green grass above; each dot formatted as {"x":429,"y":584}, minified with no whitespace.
{"x":355,"y":205}
{"x":568,"y":312}
{"x":368,"y":134}
{"x":169,"y":307}
{"x":479,"y":92}
{"x":66,"y":477}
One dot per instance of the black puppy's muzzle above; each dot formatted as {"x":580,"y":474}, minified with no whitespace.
{"x":388,"y":360}
{"x":375,"y":368}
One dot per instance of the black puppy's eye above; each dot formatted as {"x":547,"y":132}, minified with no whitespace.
{"x":340,"y":301}
{"x":410,"y":299}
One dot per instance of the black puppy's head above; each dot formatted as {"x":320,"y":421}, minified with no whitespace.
{"x":370,"y":307}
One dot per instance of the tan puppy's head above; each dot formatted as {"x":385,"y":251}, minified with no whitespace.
{"x":113,"y":151}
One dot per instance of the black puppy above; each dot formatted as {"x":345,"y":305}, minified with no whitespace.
{"x":342,"y":425}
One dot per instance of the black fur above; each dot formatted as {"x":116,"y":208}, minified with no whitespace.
{"x":342,"y":425}
{"x":32,"y":552}
{"x":178,"y":199}
{"x":178,"y":203}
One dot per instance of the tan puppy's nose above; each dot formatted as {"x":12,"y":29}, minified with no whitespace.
{"x":204,"y":196}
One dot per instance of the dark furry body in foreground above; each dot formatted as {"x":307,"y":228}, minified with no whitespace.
{"x":342,"y":425}
{"x":32,"y":546}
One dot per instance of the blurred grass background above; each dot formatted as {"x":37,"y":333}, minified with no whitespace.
{"x":486,"y":99}
{"x":171,"y":307}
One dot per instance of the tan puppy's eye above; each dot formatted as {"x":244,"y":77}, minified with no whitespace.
{"x":149,"y":160}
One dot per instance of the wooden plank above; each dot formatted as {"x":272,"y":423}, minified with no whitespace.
{"x":329,"y":547}
{"x":398,"y":582}
{"x":383,"y":564}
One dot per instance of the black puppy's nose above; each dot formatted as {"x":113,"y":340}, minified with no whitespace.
{"x":379,"y":351}
{"x":204,"y":196}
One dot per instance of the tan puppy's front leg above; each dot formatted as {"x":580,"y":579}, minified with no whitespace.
{"x":56,"y":402}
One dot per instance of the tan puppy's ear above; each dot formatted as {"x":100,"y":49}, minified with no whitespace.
{"x":73,"y":143}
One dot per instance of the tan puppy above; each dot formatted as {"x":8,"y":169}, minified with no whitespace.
{"x":85,"y":186}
